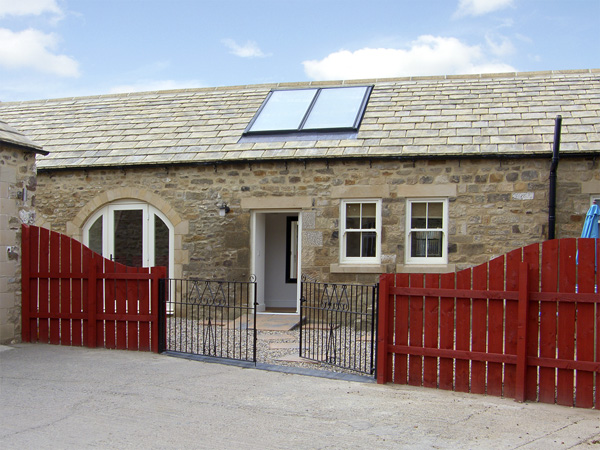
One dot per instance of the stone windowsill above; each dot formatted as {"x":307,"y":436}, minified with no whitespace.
{"x":357,"y":268}
{"x":425,"y":268}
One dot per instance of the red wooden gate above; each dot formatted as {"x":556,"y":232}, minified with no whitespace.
{"x":525,"y":325}
{"x":73,"y":296}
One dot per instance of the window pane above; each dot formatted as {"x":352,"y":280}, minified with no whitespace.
{"x":368,"y":215}
{"x":353,"y":215}
{"x":284,"y":110}
{"x":353,"y":244}
{"x":435,"y":214}
{"x":418,"y":215}
{"x":336,"y":108}
{"x":418,"y":244}
{"x":161,"y":243}
{"x":95,"y":236}
{"x":434,"y":244}
{"x":129,"y":237}
{"x":369,"y":248}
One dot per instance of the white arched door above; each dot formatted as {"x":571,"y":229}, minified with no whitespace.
{"x":131,"y":233}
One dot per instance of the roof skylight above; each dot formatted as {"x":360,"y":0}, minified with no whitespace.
{"x":311,"y":110}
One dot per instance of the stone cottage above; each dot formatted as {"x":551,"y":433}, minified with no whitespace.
{"x":17,"y":198}
{"x":338,"y":180}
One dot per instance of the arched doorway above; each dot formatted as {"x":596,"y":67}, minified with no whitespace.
{"x":132,"y":233}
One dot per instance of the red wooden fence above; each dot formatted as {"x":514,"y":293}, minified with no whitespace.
{"x":73,"y":296}
{"x":525,"y":325}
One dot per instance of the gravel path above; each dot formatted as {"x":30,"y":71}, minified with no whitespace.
{"x":279,"y":348}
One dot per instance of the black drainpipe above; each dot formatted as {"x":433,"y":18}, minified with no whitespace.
{"x":552,"y":187}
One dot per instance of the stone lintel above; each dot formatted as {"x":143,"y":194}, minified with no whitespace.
{"x":276,"y":203}
{"x":429,"y":190}
{"x":380,"y":191}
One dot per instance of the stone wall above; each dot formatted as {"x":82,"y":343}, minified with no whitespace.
{"x":17,"y":175}
{"x":495,"y":205}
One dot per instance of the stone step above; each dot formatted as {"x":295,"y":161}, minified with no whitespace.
{"x":282,"y":345}
{"x":296,"y":359}
{"x":277,"y":337}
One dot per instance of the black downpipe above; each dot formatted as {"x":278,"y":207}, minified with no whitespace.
{"x":552,"y":187}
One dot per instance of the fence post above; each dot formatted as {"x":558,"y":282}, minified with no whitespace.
{"x":383,"y":360}
{"x":523,"y":308}
{"x":92,"y":301}
{"x":159,"y":306}
{"x":160,"y":313}
{"x":25,"y":274}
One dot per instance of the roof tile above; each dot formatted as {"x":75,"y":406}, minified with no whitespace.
{"x":414,"y":116}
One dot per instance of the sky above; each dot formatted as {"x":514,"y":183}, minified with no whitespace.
{"x":69,"y":48}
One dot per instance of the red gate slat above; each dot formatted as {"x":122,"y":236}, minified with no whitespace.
{"x":463,"y":330}
{"x":65,"y":289}
{"x":566,"y":320}
{"x":76,"y":287}
{"x":513,"y":261}
{"x":54,"y":287}
{"x":109,"y":307}
{"x":401,"y":330}
{"x":480,"y":278}
{"x":531,"y":255}
{"x":119,"y":300}
{"x":34,"y":261}
{"x":548,"y":328}
{"x":44,"y":291}
{"x":144,"y":327}
{"x":86,"y":264}
{"x":415,"y":362}
{"x":584,"y":396}
{"x":133,"y":299}
{"x":100,"y":324}
{"x":495,"y":325}
{"x":447,"y":333}
{"x":430,"y":363}
{"x":597,"y":284}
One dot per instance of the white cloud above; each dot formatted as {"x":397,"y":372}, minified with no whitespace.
{"x":249,"y":50}
{"x":28,"y":7}
{"x":480,"y":7}
{"x":155,"y":85}
{"x":33,"y":49}
{"x":428,"y":55}
{"x":499,"y":45}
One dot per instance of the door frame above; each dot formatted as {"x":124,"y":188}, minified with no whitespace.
{"x":257,"y":253}
{"x":148,"y":229}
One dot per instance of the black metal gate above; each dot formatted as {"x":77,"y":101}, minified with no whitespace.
{"x":209,"y":318}
{"x":338,"y":324}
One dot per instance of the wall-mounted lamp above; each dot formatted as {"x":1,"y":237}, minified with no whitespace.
{"x":223,"y":209}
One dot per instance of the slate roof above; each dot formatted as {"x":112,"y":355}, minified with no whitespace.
{"x":9,"y":135}
{"x":451,"y":116}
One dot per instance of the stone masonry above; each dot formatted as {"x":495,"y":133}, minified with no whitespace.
{"x":495,"y":205}
{"x":17,"y":175}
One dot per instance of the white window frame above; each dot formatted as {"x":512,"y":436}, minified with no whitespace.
{"x":343,"y":232}
{"x":408,"y":247}
{"x":107,"y":212}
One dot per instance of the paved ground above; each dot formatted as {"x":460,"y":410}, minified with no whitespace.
{"x":65,"y":397}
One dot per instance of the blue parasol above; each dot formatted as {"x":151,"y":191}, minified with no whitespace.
{"x":590,"y":226}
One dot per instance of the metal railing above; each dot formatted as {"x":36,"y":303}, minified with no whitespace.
{"x":339,"y":324}
{"x":210,"y":318}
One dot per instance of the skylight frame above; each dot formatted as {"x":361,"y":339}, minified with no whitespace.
{"x":302,"y":129}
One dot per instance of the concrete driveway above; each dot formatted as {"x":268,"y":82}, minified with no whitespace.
{"x":67,"y":397}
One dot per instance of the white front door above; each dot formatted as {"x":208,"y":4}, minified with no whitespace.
{"x":276,"y":253}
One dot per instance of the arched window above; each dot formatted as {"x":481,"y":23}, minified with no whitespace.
{"x":131,"y":233}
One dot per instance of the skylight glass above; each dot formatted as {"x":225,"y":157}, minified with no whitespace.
{"x":284,"y":110}
{"x":336,"y":108}
{"x":306,"y":110}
